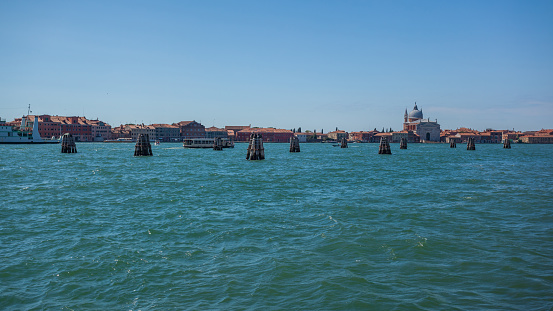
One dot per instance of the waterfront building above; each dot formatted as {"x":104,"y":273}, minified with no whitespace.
{"x":337,"y":135}
{"x":231,"y":135}
{"x":410,"y":136}
{"x":138,"y":129}
{"x":363,"y":136}
{"x":214,"y":132}
{"x":121,"y":132}
{"x":321,"y":136}
{"x":233,"y":129}
{"x":445,"y":136}
{"x":191,"y":129}
{"x":100,"y":130}
{"x":302,"y":137}
{"x":377,"y":137}
{"x":77,"y":127}
{"x":491,"y":136}
{"x":427,"y":130}
{"x":461,"y":135}
{"x":271,"y":135}
{"x":511,"y":135}
{"x":311,"y":137}
{"x":56,"y":126}
{"x":539,"y":137}
{"x":48,"y":127}
{"x":464,"y":137}
{"x":166,"y":132}
{"x":236,"y":128}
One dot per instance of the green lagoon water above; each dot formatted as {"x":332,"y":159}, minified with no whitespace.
{"x":427,"y":228}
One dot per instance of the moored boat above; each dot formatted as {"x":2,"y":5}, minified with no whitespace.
{"x":22,"y":135}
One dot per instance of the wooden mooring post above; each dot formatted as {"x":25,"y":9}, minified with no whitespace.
{"x":506,"y":144}
{"x":255,"y":148}
{"x":68,"y":144}
{"x":403,"y":143}
{"x":294,"y":144}
{"x":344,"y":143}
{"x":217,"y":143}
{"x":470,"y":144}
{"x":143,"y":146}
{"x":384,"y":147}
{"x":452,"y":144}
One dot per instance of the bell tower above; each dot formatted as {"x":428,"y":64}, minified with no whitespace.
{"x":405,"y":116}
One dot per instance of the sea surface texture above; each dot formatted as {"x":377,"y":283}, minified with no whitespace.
{"x":427,"y":228}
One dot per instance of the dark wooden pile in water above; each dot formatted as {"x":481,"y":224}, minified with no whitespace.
{"x":68,"y":144}
{"x":507,"y":144}
{"x":470,"y":144}
{"x":344,"y":143}
{"x":143,"y":147}
{"x":403,"y":143}
{"x":217,"y":143}
{"x":384,"y":147}
{"x":294,"y":144}
{"x":452,"y":144}
{"x":255,"y":148}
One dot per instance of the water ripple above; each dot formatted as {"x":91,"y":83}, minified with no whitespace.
{"x":427,"y":228}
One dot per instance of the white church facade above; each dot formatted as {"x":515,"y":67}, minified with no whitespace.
{"x":427,"y":130}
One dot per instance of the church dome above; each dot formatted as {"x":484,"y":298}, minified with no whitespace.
{"x":416,"y":113}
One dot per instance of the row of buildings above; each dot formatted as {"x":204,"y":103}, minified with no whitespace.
{"x":418,"y":129}
{"x":81,"y":128}
{"x":415,"y":129}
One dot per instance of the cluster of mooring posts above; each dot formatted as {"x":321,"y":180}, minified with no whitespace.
{"x":506,"y":144}
{"x":384,"y":147}
{"x":217,"y":143}
{"x":255,"y":148}
{"x":470,"y":144}
{"x":344,"y":143}
{"x":294,"y":144}
{"x":68,"y":144}
{"x":143,"y":146}
{"x":403,"y":143}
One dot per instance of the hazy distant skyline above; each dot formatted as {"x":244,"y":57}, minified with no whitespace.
{"x":355,"y":65}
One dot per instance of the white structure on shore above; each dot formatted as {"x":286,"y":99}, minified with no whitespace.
{"x":427,"y":130}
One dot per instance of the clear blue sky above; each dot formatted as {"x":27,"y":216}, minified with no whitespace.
{"x":355,"y":65}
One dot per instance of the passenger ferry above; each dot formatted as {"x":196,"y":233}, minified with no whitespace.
{"x":205,"y":143}
{"x":23,"y":135}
